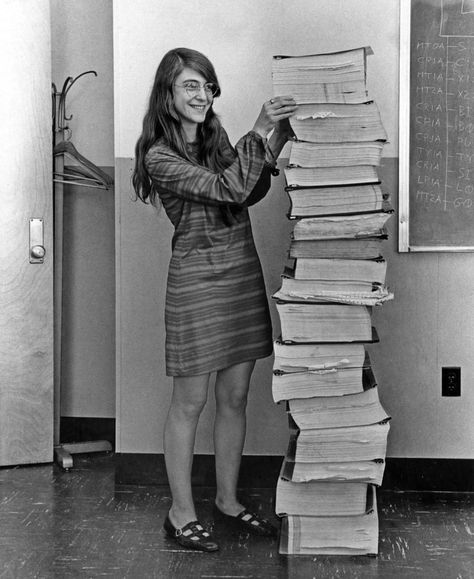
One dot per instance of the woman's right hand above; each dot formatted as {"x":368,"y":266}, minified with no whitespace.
{"x":273,"y":111}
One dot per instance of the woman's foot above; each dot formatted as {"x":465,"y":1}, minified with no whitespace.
{"x":247,"y":520}
{"x":192,"y":536}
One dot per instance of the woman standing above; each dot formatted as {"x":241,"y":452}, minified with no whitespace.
{"x":216,"y":313}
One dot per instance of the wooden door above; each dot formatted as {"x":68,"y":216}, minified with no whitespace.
{"x":26,"y":298}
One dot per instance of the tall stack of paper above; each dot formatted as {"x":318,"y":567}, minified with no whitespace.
{"x":322,"y":371}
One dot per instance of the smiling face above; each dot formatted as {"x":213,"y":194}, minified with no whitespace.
{"x":192,"y":110}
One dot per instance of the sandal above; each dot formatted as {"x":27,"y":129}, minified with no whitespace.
{"x":192,"y":536}
{"x":250,"y":522}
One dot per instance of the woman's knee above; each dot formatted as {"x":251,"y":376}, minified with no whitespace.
{"x":188,"y":408}
{"x":189,"y":396}
{"x":232,"y":399}
{"x":232,"y":386}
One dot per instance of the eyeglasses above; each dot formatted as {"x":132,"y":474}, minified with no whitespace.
{"x":193,"y":88}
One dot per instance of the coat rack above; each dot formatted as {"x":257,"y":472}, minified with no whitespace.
{"x":81,"y":173}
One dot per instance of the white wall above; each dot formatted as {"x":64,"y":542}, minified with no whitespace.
{"x":240,"y":39}
{"x":81,"y":41}
{"x":426,"y":327}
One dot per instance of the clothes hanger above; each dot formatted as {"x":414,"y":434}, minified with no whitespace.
{"x":83,"y":172}
{"x":86,"y":169}
{"x":69,"y":179}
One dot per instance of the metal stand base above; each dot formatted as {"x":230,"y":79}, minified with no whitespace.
{"x":63,"y":452}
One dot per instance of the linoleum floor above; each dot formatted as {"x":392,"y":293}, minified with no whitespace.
{"x":58,"y":524}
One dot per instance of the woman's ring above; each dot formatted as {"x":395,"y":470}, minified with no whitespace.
{"x":271,"y":101}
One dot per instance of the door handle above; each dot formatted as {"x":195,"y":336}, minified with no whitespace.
{"x":37,"y":249}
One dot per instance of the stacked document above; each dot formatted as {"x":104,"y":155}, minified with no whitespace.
{"x":326,"y":491}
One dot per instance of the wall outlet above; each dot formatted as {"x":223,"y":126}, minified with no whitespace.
{"x":451,"y":381}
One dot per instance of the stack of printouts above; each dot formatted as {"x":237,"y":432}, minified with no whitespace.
{"x":322,"y":371}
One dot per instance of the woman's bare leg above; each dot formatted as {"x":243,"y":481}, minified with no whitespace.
{"x":232,"y":385}
{"x":188,"y":400}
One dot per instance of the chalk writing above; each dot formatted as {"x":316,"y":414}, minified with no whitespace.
{"x":441,"y":128}
{"x":442,"y":123}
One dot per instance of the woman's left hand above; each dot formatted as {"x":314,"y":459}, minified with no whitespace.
{"x":273,"y":112}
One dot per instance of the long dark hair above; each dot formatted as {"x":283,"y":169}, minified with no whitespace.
{"x":162,"y":121}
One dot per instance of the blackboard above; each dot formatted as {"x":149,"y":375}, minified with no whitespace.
{"x":437,"y":125}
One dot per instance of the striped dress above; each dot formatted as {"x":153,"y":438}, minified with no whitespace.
{"x":216,"y":312}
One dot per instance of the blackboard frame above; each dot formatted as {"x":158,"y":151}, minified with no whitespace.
{"x":404,"y":243}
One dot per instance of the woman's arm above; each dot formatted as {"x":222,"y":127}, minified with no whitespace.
{"x":275,"y":144}
{"x":280,"y":136}
{"x":275,"y":114}
{"x":171,"y":173}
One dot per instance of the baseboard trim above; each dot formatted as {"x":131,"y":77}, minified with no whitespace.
{"x":401,"y":474}
{"x":429,"y":474}
{"x":257,"y":471}
{"x":81,"y":429}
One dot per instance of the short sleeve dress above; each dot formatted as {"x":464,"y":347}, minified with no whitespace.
{"x":216,"y":311}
